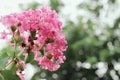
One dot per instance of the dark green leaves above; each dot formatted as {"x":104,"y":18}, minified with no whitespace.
{"x":3,"y":60}
{"x":30,"y":57}
{"x":9,"y":75}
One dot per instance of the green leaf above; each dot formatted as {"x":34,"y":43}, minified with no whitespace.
{"x":11,"y":66}
{"x":1,"y":77}
{"x":9,"y":75}
{"x":30,"y":57}
{"x":92,"y":59}
{"x":3,"y":59}
{"x":7,"y":51}
{"x":104,"y":54}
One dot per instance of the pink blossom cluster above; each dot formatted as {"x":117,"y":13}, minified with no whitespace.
{"x":38,"y":32}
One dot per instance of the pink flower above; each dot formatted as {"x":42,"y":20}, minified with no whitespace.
{"x":38,"y":32}
{"x":3,"y":35}
{"x":20,"y":74}
{"x":45,"y":63}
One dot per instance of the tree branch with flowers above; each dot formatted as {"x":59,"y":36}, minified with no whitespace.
{"x":37,"y":34}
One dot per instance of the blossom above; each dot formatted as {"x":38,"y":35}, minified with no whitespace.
{"x":4,"y":35}
{"x":20,"y":74}
{"x":37,"y":32}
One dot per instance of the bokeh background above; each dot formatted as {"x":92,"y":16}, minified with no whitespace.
{"x":92,"y":29}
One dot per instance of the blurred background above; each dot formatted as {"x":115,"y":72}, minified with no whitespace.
{"x":92,"y":29}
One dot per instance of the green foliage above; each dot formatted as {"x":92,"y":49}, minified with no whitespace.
{"x":56,"y":4}
{"x":30,"y":58}
{"x":9,"y":75}
{"x":7,"y":70}
{"x":3,"y":60}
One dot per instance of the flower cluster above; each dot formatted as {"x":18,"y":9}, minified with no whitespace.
{"x":37,"y":32}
